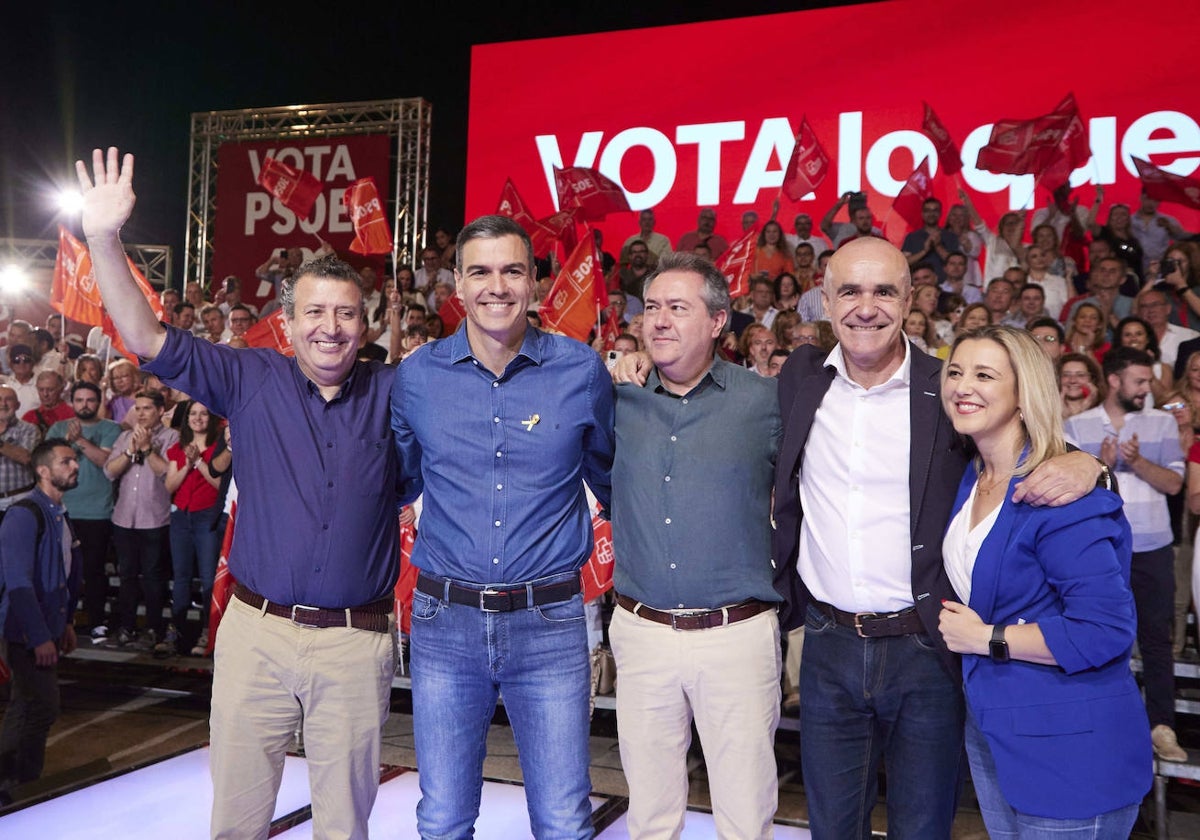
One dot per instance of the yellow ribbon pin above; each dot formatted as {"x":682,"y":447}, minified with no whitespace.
{"x":533,"y":420}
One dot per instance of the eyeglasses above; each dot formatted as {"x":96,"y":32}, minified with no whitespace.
{"x":22,"y":360}
{"x":806,"y":339}
{"x":1049,"y":339}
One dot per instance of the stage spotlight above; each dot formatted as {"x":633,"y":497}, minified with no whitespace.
{"x":70,"y":201}
{"x":12,"y":279}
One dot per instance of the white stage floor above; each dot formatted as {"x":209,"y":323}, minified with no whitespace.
{"x":172,"y":798}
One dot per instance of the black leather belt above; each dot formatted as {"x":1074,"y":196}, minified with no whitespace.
{"x":498,"y":600}
{"x":17,"y":492}
{"x":872,"y":625}
{"x":373,"y":616}
{"x":696,"y":619}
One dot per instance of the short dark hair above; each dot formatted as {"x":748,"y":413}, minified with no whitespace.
{"x":493,"y":227}
{"x":1119,"y":358}
{"x":151,"y":394}
{"x":84,"y":385}
{"x":328,"y":267}
{"x":1047,"y":321}
{"x":43,"y":454}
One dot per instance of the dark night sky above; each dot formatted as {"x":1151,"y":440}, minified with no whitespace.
{"x":74,"y":76}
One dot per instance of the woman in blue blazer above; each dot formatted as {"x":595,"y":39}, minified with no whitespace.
{"x":1057,"y":734}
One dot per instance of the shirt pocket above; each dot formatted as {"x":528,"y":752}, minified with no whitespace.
{"x":372,"y":470}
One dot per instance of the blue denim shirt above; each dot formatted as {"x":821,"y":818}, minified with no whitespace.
{"x":692,"y":490}
{"x":39,"y":594}
{"x":502,"y":460}
{"x":317,"y":506}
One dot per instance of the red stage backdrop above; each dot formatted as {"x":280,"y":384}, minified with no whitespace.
{"x":706,"y":114}
{"x":250,"y":224}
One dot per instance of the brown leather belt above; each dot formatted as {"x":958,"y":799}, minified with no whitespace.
{"x":872,"y":625}
{"x":17,"y":492}
{"x":698,"y":619}
{"x":373,"y":616}
{"x":498,"y":600}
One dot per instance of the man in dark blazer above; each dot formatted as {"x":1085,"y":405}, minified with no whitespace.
{"x":860,"y":566}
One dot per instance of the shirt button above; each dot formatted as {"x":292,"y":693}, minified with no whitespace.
{"x":672,"y":565}
{"x":499,"y":454}
{"x":667,"y":520}
{"x":325,"y":527}
{"x":666,"y":478}
{"x":499,"y":486}
{"x":495,"y":560}
{"x":684,"y":401}
{"x":329,"y":445}
{"x":673,"y":438}
{"x":497,"y":523}
{"x":495,"y":384}
{"x":495,"y":419}
{"x":331,"y":484}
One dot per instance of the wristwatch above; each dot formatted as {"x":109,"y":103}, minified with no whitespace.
{"x":997,"y":647}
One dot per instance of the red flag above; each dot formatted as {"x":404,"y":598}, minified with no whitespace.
{"x":295,"y":188}
{"x":74,"y":292}
{"x":271,"y":332}
{"x":912,"y":196}
{"x":371,"y":232}
{"x":452,"y":313}
{"x":737,"y":263}
{"x":553,"y":229}
{"x":407,"y":581}
{"x":947,"y":149}
{"x":808,"y":165}
{"x":578,"y":293}
{"x":512,"y":206}
{"x":609,"y":330}
{"x":1073,"y":149}
{"x":1164,"y":186}
{"x":597,"y":572}
{"x":223,"y":583}
{"x":590,"y":194}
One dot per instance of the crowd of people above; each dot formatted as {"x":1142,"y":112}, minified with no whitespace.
{"x":1052,"y":387}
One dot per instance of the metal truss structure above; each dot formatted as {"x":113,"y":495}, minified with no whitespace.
{"x":32,"y":254}
{"x":407,"y":121}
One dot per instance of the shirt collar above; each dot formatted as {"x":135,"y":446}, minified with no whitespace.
{"x":902,"y":375}
{"x":531,"y":345}
{"x":313,"y":388}
{"x":717,"y":373}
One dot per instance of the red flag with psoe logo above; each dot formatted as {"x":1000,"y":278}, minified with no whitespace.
{"x":808,"y":165}
{"x":947,"y":149}
{"x":272,"y":332}
{"x":737,"y":263}
{"x":371,"y":232}
{"x":74,"y":292}
{"x":1164,"y":186}
{"x":1073,"y":149}
{"x":296,"y":189}
{"x":912,"y":196}
{"x":578,"y":293}
{"x":591,"y":195}
{"x":407,"y":581}
{"x":551,"y":230}
{"x":110,"y":329}
{"x":597,"y":572}
{"x":452,"y":313}
{"x":513,"y":206}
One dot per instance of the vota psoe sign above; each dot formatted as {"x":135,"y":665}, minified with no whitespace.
{"x":250,"y":224}
{"x":706,"y":114}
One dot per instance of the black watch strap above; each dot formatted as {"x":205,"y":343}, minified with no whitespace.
{"x":998,"y":647}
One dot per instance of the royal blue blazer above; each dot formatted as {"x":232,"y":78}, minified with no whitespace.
{"x":1070,"y":740}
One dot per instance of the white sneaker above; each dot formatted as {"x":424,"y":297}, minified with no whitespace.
{"x":1166,"y":745}
{"x":201,"y":646}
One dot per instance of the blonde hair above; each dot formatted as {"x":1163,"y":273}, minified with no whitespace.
{"x":1037,"y":391}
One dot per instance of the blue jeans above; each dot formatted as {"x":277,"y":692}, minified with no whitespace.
{"x":195,"y":546}
{"x":462,"y":660}
{"x":863,"y":700}
{"x":1004,"y":823}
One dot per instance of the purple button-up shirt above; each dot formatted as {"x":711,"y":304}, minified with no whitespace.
{"x":317,"y":481}
{"x":142,"y":497}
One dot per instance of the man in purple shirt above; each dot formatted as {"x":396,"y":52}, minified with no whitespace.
{"x":308,"y":636}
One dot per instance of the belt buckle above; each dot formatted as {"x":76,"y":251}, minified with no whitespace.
{"x":300,"y":623}
{"x":858,"y":620}
{"x":692,"y":614}
{"x":482,"y":594}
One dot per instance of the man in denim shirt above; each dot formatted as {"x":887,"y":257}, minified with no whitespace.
{"x":499,"y":425}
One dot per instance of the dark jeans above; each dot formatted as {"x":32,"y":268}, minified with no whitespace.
{"x":867,"y":700}
{"x":95,"y":537}
{"x":1152,"y":577}
{"x":32,"y":709}
{"x":140,"y":565}
{"x":195,"y":546}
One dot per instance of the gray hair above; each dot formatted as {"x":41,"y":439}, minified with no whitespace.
{"x":714,"y":292}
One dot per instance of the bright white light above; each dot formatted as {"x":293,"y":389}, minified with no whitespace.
{"x":12,"y":279}
{"x":70,"y":201}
